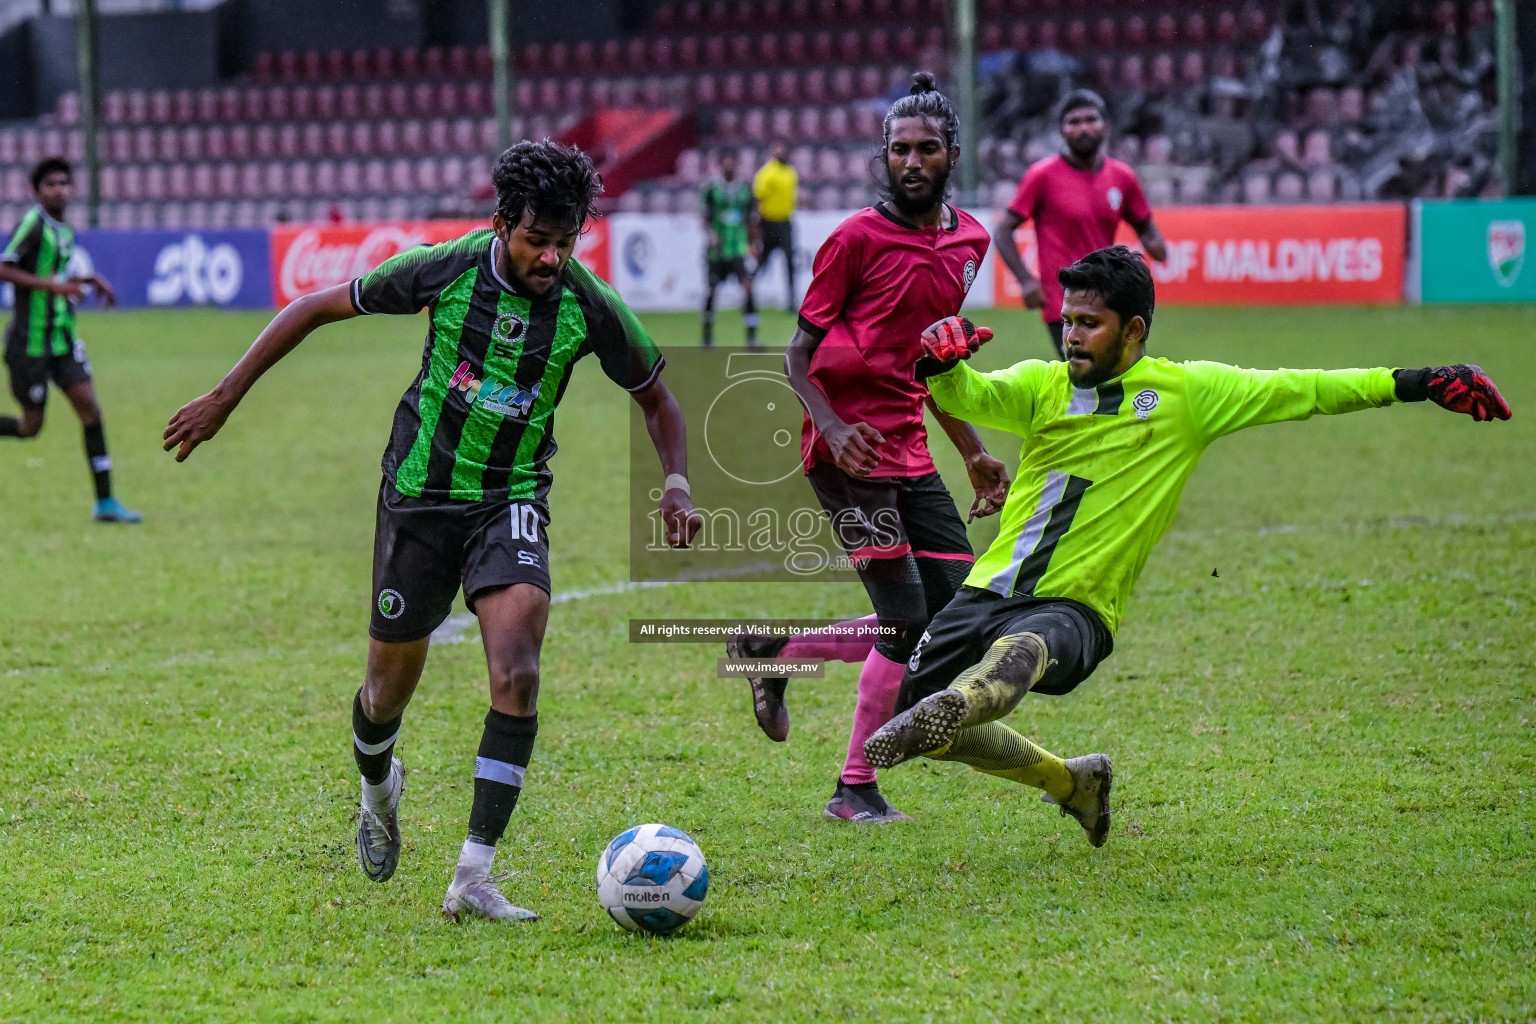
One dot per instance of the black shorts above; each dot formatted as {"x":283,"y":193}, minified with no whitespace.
{"x":974,"y":619}
{"x":777,"y":235}
{"x":889,"y":516}
{"x":719,"y":270}
{"x":424,"y":550}
{"x":30,"y":374}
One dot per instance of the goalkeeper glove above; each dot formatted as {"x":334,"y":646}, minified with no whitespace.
{"x":954,"y":338}
{"x":1461,"y":388}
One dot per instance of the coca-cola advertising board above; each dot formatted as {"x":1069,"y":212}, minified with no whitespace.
{"x":307,"y":259}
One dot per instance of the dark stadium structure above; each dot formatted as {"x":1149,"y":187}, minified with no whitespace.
{"x":1267,"y":102}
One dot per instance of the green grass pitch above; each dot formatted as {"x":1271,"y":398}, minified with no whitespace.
{"x":1325,"y":754}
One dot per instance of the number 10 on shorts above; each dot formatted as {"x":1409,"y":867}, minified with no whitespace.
{"x":525,"y":522}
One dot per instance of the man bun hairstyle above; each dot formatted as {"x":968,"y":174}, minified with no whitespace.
{"x":1118,"y":276}
{"x":47,"y":166}
{"x":1076,"y":100}
{"x":558,"y":183}
{"x":927,"y":102}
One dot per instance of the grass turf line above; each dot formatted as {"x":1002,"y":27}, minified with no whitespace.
{"x":1323,"y":755}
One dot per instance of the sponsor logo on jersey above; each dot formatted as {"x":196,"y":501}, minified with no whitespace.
{"x":391,"y":604}
{"x":970,"y":273}
{"x":1115,"y":197}
{"x":1144,"y":402}
{"x":1506,"y":250}
{"x":506,"y":399}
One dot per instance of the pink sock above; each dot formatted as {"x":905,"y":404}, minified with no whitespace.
{"x":878,"y":685}
{"x":830,"y":646}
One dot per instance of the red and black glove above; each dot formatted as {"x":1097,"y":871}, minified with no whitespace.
{"x":948,"y":341}
{"x":1461,"y":388}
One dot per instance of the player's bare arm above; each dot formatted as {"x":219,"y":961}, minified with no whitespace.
{"x":201,"y":418}
{"x":1008,"y":251}
{"x":15,"y":276}
{"x":1151,"y":239}
{"x":664,"y":422}
{"x":848,"y":442}
{"x":103,"y":288}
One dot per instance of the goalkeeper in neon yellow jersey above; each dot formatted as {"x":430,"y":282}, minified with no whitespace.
{"x":1110,"y":437}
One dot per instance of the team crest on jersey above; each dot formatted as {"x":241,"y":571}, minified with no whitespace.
{"x":391,"y":604}
{"x":1115,"y":197}
{"x":509,"y":327}
{"x":970,"y":274}
{"x":1144,"y":402}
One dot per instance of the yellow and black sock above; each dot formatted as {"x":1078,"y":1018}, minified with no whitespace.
{"x":995,"y":749}
{"x":995,"y":685}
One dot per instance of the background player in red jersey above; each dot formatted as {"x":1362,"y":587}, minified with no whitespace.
{"x":1077,"y":199}
{"x":878,"y":281}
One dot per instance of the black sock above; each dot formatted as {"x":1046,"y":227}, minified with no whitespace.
{"x":750,"y":319}
{"x":373,"y":743}
{"x":707,"y":319}
{"x":10,"y":426}
{"x":505,"y":747}
{"x":100,"y":461}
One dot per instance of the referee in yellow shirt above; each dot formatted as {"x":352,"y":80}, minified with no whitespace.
{"x":775,"y":185}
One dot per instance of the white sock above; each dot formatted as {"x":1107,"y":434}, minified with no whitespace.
{"x":378,"y":798}
{"x":474,"y":861}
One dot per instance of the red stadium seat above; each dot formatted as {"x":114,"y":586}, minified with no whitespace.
{"x":488,"y":134}
{"x":288,"y":66}
{"x":760,"y":87}
{"x":733,"y":89}
{"x":1046,"y":36}
{"x":413,"y":137}
{"x":178,"y":183}
{"x":1106,"y":34}
{"x":482,"y":61}
{"x":384,"y":63}
{"x":240,"y":142}
{"x":207,"y":105}
{"x":335,"y":64}
{"x":302,"y":100}
{"x":423,"y":100}
{"x":192,"y":142}
{"x":635,"y":55}
{"x":265,"y":67}
{"x":1132,"y":72}
{"x":325,"y":102}
{"x":360,"y":138}
{"x":1195,"y":29}
{"x":1192,"y":68}
{"x":401,"y":176}
{"x":768,"y":49}
{"x":274,"y":179}
{"x":881,"y":10}
{"x":1136,"y":31}
{"x":325,"y":178}
{"x":253,"y":105}
{"x":1166,"y":30}
{"x":742,"y":15}
{"x":265,"y":141}
{"x":728,"y":124}
{"x":386,"y":137}
{"x":336,"y":139}
{"x":1226,"y":27}
{"x":871,"y":83}
{"x":349,"y":177}
{"x":138,"y":106}
{"x":426,"y":178}
{"x":794,"y":48}
{"x":584,"y":57}
{"x":651,"y":92}
{"x":611,"y":57}
{"x":691,"y":16}
{"x":549,"y":93}
{"x":409,"y":62}
{"x":448,"y":99}
{"x":741,"y":50}
{"x":167,"y":144}
{"x":114,"y":108}
{"x":714,"y":52}
{"x":822,"y":50}
{"x":398,"y":100}
{"x":558,"y":58}
{"x":111,"y":182}
{"x":1255,"y":25}
{"x":786,"y":88}
{"x":226,"y":181}
{"x":476,"y":100}
{"x":218,"y":142}
{"x":524,"y":94}
{"x":375,"y":177}
{"x":842,"y":87}
{"x":249,"y":179}
{"x":1162,"y":71}
{"x":1076,"y":36}
{"x":878,"y":45}
{"x":460,"y":64}
{"x":754,"y":125}
{"x":437,"y":136}
{"x":159,"y":106}
{"x":850,"y":47}
{"x":465,"y":135}
{"x":314,"y":66}
{"x":906,"y":43}
{"x":838,"y":125}
{"x":571,"y":93}
{"x":452,"y":174}
{"x":781,"y":123}
{"x":277,"y":102}
{"x":665,"y":17}
{"x":300,"y":179}
{"x":1104,"y":70}
{"x":798,"y":12}
{"x":992,"y":38}
{"x":531,"y":60}
{"x":706,"y":90}
{"x":718,"y":14}
{"x":358,"y":65}
{"x":313,"y":141}
{"x":143,"y":144}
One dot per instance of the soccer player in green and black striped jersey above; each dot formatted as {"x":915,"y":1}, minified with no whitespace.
{"x":730,"y":223}
{"x":1111,"y":435}
{"x":466,"y":477}
{"x":40,"y":342}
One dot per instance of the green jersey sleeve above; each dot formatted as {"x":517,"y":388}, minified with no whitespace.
{"x":407,"y":282}
{"x":628,"y":355}
{"x":1003,"y":399}
{"x":1225,"y":399}
{"x":21,"y":251}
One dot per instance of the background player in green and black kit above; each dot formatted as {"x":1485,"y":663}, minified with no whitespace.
{"x":40,"y":342}
{"x":1110,"y":438}
{"x":730,"y":218}
{"x":463,"y":501}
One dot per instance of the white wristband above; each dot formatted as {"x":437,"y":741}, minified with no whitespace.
{"x":676,"y":480}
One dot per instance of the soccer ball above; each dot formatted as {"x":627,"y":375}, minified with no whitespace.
{"x":652,"y":878}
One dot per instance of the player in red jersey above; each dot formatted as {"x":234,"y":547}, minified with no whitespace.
{"x":878,"y":281}
{"x":1077,"y":199}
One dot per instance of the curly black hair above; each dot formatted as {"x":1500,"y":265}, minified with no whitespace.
{"x":50,"y":165}
{"x":558,"y":183}
{"x":1118,"y":276}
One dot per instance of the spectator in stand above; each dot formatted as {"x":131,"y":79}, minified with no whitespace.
{"x":1076,"y":199}
{"x":776,"y":186}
